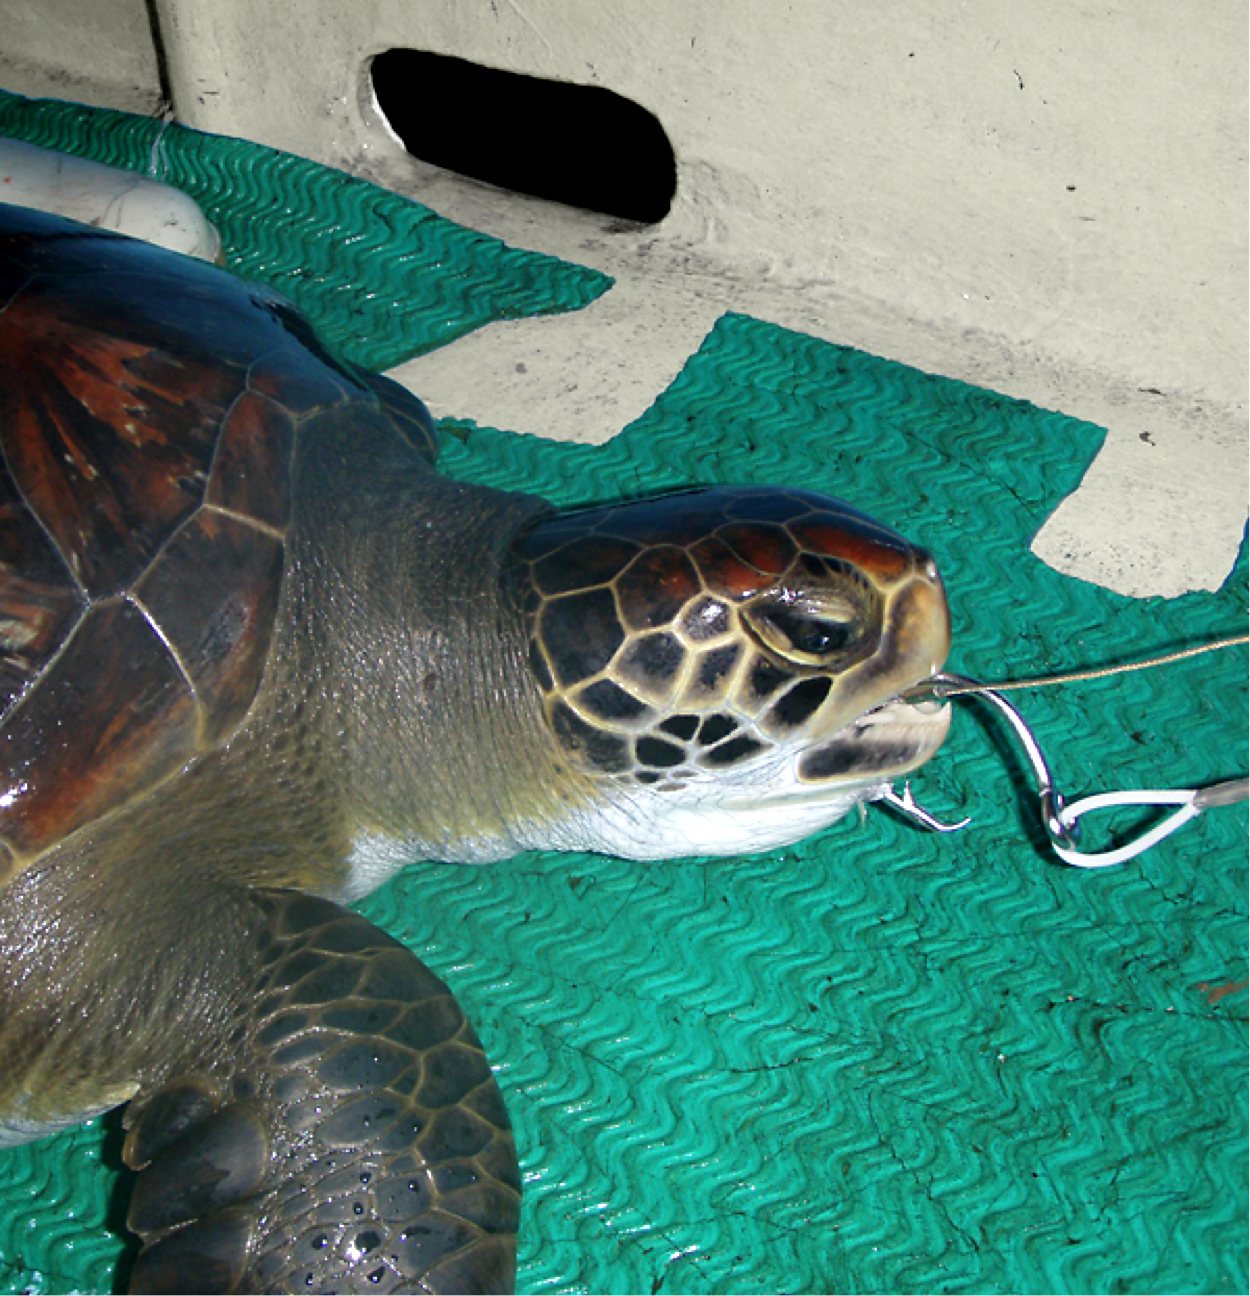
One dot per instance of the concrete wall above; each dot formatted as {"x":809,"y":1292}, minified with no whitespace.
{"x":1047,"y":198}
{"x":1062,"y":175}
{"x":97,"y":52}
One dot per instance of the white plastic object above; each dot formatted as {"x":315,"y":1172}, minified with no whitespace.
{"x":105,"y":197}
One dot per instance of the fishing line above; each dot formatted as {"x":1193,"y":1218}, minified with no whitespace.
{"x":936,"y":689}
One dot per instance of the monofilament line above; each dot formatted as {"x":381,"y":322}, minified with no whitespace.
{"x":940,"y":690}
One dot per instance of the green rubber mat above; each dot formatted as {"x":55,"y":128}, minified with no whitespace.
{"x":880,"y":1060}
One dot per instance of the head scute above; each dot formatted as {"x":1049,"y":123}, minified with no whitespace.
{"x":715,"y":638}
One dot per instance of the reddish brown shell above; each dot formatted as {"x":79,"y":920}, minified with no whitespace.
{"x":149,"y":408}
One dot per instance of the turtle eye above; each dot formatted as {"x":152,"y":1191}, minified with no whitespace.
{"x":811,"y":635}
{"x":803,"y":632}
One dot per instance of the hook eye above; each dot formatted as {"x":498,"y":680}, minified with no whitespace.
{"x":1060,"y":827}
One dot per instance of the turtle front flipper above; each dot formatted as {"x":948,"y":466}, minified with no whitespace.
{"x":356,"y":1140}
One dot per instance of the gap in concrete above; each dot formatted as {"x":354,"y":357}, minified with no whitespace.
{"x":583,"y":146}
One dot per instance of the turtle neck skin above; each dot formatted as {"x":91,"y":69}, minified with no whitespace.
{"x":400,"y":608}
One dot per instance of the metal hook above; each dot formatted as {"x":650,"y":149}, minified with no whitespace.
{"x":1061,"y":819}
{"x":906,"y":806}
{"x":1060,"y":827}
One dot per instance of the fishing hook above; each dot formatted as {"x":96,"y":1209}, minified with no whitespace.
{"x":1061,"y":818}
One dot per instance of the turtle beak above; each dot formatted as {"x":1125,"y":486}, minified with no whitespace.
{"x":884,"y":730}
{"x":879,"y":746}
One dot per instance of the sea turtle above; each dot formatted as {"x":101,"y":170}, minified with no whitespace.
{"x":256,"y":655}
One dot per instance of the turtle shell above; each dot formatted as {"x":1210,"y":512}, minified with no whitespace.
{"x":150,"y":407}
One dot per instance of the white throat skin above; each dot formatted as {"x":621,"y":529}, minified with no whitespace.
{"x":647,"y":824}
{"x":752,"y":808}
{"x":652,"y":825}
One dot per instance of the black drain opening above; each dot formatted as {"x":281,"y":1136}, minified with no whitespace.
{"x":579,"y":145}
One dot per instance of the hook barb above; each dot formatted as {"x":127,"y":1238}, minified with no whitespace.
{"x":906,"y":806}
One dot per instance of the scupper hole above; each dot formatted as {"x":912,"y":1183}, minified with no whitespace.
{"x":584,"y":146}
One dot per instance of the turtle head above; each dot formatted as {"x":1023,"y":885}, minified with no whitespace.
{"x":725,"y":665}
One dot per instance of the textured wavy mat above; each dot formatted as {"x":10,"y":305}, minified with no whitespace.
{"x":878,"y":1061}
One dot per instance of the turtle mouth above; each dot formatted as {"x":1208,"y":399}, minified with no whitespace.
{"x":881,"y":744}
